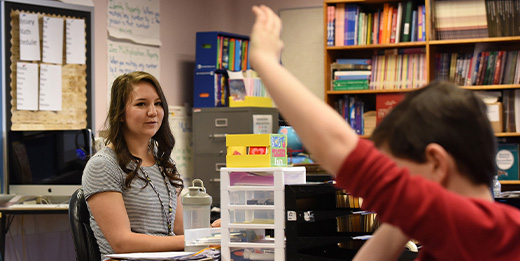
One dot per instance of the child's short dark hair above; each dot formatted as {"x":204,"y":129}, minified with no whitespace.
{"x":445,"y":114}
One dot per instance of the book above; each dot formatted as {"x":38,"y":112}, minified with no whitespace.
{"x":375,"y":27}
{"x":413,"y":32}
{"x":497,"y":79}
{"x":420,"y":23}
{"x":407,"y":22}
{"x":517,"y":105}
{"x":245,"y":53}
{"x":507,"y":161}
{"x":490,"y":69}
{"x":352,"y":83}
{"x":219,"y":52}
{"x":352,"y":111}
{"x":331,"y":13}
{"x":238,"y":55}
{"x":368,"y":28}
{"x":352,"y":77}
{"x":358,"y":116}
{"x":393,"y":26}
{"x":482,"y":68}
{"x":351,"y":12}
{"x":225,"y":52}
{"x":385,"y":102}
{"x":508,"y":102}
{"x":517,"y":70}
{"x":388,"y":24}
{"x":510,"y":67}
{"x":354,"y":61}
{"x":352,"y":72}
{"x":382,"y":23}
{"x":350,"y":87}
{"x":359,"y":29}
{"x":339,"y":30}
{"x":231,"y":65}
{"x":399,"y":22}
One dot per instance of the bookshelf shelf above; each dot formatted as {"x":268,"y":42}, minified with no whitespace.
{"x":492,"y":87}
{"x":508,"y":134}
{"x":376,"y":46}
{"x":371,"y":91}
{"x":510,"y":182}
{"x":476,"y":40}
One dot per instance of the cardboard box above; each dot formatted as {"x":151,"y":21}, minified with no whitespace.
{"x":495,"y":116}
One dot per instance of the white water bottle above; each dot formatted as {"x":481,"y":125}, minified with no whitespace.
{"x":497,"y":187}
{"x":197,"y":209}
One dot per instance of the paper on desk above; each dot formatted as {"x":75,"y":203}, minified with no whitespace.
{"x":149,"y":256}
{"x":210,"y":253}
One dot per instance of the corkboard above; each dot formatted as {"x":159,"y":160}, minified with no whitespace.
{"x":74,"y":88}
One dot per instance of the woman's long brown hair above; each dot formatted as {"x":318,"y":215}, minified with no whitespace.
{"x":161,"y":143}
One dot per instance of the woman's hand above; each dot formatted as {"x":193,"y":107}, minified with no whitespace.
{"x":216,"y":223}
{"x":265,"y":36}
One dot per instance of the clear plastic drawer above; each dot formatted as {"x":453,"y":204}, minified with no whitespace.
{"x":251,"y":216}
{"x":251,"y":198}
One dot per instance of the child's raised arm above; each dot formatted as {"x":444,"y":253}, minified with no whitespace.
{"x":323,"y":131}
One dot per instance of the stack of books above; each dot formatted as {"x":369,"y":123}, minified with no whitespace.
{"x":398,"y":69}
{"x":503,"y":17}
{"x":479,"y":68}
{"x":352,"y":109}
{"x":349,"y":24}
{"x":232,"y":53}
{"x":351,"y":74}
{"x":460,"y":19}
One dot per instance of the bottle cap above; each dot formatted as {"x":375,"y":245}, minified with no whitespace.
{"x":197,"y":194}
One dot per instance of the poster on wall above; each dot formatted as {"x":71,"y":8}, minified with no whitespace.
{"x":126,"y":57}
{"x":135,"y":20}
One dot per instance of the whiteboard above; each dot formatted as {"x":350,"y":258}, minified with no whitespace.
{"x":302,"y":35}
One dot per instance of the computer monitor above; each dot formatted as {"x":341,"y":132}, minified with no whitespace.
{"x":47,"y":163}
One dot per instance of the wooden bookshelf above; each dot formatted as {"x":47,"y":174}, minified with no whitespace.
{"x":431,"y":46}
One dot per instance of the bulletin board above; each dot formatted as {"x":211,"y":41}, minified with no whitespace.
{"x":76,"y":79}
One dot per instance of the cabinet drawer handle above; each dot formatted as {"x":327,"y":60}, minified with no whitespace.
{"x":217,"y":136}
{"x":219,"y":165}
{"x":221,"y":122}
{"x":216,"y":180}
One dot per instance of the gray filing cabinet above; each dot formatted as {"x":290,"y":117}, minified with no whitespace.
{"x":210,"y":126}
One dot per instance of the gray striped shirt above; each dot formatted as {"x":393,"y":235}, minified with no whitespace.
{"x":102,"y":173}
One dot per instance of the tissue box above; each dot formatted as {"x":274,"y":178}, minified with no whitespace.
{"x":256,"y":150}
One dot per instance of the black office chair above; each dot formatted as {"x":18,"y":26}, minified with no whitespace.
{"x":85,"y":242}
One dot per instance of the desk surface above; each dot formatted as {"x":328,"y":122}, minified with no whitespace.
{"x":35,"y":209}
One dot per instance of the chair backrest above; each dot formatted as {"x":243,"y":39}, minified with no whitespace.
{"x":85,"y":242}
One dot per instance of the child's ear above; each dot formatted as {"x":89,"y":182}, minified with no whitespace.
{"x":441,"y":161}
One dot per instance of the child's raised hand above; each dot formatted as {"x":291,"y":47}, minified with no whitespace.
{"x":265,"y":36}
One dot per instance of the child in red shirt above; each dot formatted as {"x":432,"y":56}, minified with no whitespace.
{"x":440,"y":132}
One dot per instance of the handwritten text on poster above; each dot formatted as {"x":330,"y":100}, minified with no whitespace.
{"x":124,"y":58}
{"x":136,"y":20}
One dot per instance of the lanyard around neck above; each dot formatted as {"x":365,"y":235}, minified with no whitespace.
{"x":169,"y":214}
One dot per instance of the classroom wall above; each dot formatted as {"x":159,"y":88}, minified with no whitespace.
{"x":28,"y":238}
{"x":180,"y":19}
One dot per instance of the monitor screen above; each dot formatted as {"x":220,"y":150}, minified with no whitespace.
{"x":48,"y":157}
